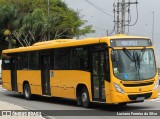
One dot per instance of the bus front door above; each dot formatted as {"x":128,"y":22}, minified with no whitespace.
{"x":45,"y":75}
{"x":14,"y":74}
{"x":98,"y":76}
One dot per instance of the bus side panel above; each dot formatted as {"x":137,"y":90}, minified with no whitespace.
{"x":55,"y":83}
{"x":107,"y":92}
{"x":6,"y":79}
{"x":64,"y":82}
{"x":34,"y":79}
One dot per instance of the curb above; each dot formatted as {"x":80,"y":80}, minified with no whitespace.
{"x":9,"y":110}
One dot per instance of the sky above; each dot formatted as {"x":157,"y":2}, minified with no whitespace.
{"x":102,"y":22}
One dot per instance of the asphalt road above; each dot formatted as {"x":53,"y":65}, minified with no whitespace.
{"x":46,"y":103}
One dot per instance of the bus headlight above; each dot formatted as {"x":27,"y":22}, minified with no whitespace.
{"x":156,"y":86}
{"x":118,"y":88}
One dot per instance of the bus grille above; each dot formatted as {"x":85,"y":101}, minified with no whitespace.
{"x":134,"y":97}
{"x":140,"y":84}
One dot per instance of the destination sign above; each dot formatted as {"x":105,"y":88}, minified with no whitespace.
{"x":130,"y":42}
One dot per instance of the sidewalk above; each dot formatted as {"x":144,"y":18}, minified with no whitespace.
{"x":15,"y":111}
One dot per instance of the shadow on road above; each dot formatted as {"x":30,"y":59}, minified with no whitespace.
{"x":68,"y":102}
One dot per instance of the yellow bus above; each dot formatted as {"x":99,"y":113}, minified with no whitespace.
{"x":117,"y":69}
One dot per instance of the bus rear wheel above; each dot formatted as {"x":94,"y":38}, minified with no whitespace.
{"x":85,"y":98}
{"x":27,"y":91}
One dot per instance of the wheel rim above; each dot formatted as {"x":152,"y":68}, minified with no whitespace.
{"x":84,"y":97}
{"x":27,"y":91}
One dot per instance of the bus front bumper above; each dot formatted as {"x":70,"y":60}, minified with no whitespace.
{"x":133,"y":97}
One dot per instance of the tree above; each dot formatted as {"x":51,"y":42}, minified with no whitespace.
{"x":7,"y":18}
{"x":32,"y":28}
{"x":28,"y":21}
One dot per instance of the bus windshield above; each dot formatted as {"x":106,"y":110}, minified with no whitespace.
{"x":134,"y":64}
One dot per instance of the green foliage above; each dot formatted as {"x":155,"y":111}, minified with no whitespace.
{"x":28,"y":21}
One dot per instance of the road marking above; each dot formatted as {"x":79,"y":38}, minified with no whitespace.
{"x":2,"y":89}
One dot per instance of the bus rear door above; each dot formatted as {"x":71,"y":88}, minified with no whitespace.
{"x":45,"y":74}
{"x":14,"y":74}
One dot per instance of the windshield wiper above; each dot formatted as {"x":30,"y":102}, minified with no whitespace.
{"x":137,"y":60}
{"x":143,"y":51}
{"x":135,"y":57}
{"x":128,"y":54}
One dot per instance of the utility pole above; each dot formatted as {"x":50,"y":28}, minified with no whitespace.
{"x":123,"y":10}
{"x":153,"y":28}
{"x":118,"y":18}
{"x":120,"y":9}
{"x":107,"y":33}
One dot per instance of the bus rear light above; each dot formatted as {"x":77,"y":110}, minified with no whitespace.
{"x":118,"y":88}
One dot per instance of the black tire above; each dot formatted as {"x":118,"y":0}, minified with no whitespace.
{"x":27,"y":91}
{"x":79,"y":101}
{"x":85,"y":101}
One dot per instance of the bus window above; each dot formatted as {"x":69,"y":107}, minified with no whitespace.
{"x":6,"y":64}
{"x":33,"y":60}
{"x":126,"y":69}
{"x":61,"y":58}
{"x":79,"y":58}
{"x":23,"y":61}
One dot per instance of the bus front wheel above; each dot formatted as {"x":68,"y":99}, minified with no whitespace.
{"x":27,"y":91}
{"x":85,"y":98}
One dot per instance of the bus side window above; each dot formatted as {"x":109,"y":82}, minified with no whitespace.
{"x":61,"y":57}
{"x":6,"y":64}
{"x":23,"y":62}
{"x":33,"y":60}
{"x":79,"y":59}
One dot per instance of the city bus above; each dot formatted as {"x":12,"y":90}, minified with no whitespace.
{"x":117,"y":69}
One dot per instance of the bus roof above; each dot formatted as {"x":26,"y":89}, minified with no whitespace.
{"x":119,"y":36}
{"x":67,"y":43}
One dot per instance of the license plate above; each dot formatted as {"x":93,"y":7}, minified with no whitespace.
{"x":140,"y":98}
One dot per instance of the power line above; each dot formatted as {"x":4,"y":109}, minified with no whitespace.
{"x":120,"y":9}
{"x":99,"y":28}
{"x":114,"y":27}
{"x":137,"y":16}
{"x":100,"y":9}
